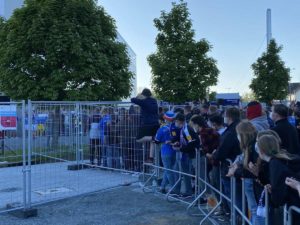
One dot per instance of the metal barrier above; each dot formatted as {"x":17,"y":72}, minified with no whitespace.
{"x":288,"y":219}
{"x":235,"y":210}
{"x":13,"y":161}
{"x":64,"y":149}
{"x":55,"y":150}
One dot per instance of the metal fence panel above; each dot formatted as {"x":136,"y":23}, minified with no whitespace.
{"x":12,"y":156}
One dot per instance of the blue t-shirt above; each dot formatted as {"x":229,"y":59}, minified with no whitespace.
{"x":292,"y":120}
{"x":162,"y":136}
{"x":103,"y":126}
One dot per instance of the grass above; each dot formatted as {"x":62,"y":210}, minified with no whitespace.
{"x":43,"y":155}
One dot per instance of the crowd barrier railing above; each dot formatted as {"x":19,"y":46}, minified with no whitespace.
{"x":201,"y":192}
{"x":288,"y":212}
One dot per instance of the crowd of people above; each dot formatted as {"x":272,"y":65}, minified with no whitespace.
{"x":256,"y":145}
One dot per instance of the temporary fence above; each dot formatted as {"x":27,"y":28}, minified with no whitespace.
{"x":202,"y":187}
{"x":55,"y":150}
{"x":289,"y":213}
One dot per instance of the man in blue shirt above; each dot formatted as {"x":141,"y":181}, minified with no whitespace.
{"x":168,"y":156}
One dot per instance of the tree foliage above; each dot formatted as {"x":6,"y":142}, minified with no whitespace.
{"x":181,"y":68}
{"x":62,"y":50}
{"x":271,"y":76}
{"x":248,"y":97}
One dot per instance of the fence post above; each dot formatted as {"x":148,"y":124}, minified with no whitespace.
{"x":30,"y":127}
{"x":267,"y":206}
{"x":24,"y":169}
{"x":233,"y":200}
{"x":243,"y":200}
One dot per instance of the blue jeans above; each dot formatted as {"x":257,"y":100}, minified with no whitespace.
{"x":168,"y":176}
{"x":227,"y":192}
{"x":112,"y":155}
{"x":176,"y":167}
{"x":186,"y":166}
{"x":252,"y":204}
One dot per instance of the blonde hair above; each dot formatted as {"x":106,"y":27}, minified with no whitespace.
{"x":269,"y":132}
{"x":269,"y":145}
{"x":248,"y":135}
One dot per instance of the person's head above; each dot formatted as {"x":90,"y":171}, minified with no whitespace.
{"x":198,"y":123}
{"x":196,"y":111}
{"x":178,"y":110}
{"x":204,"y":108}
{"x":254,"y":110}
{"x":179,"y":120}
{"x":232,"y":115}
{"x":279,"y":112}
{"x":147,"y":93}
{"x":187,"y":109}
{"x":216,"y":122}
{"x":269,"y":147}
{"x":212,"y":110}
{"x":269,"y":132}
{"x":246,"y":133}
{"x":169,"y":116}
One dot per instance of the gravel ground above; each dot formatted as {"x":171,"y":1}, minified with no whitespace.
{"x":119,"y":206}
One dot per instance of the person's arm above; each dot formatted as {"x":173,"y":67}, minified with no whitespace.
{"x":138,"y":101}
{"x":192,"y":144}
{"x":159,"y":136}
{"x":222,"y":152}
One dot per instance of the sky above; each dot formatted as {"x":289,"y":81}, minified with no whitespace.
{"x":235,"y":28}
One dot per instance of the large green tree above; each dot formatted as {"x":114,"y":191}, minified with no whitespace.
{"x":271,"y":76}
{"x":181,"y":69}
{"x":62,"y":50}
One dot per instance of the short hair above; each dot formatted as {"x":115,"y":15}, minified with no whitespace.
{"x":199,"y":120}
{"x":196,"y":111}
{"x":217,"y":120}
{"x":188,"y":108}
{"x":146,"y":92}
{"x":233,"y":113}
{"x":281,"y":110}
{"x":178,"y":110}
{"x":205,"y":106}
{"x":180,"y":117}
{"x":213,"y":108}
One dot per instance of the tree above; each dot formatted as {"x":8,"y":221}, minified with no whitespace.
{"x":271,"y":76}
{"x":181,"y":68}
{"x":62,"y":50}
{"x":248,"y":97}
{"x":213,"y":96}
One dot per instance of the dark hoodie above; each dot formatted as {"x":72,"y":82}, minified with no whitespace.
{"x":279,"y":170}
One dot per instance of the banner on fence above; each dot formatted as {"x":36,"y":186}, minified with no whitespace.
{"x":8,"y":117}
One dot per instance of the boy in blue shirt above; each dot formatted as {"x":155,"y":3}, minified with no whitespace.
{"x":168,"y":156}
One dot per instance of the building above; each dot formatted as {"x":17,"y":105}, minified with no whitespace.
{"x":228,"y":99}
{"x":132,"y":67}
{"x":294,"y":92}
{"x":8,"y":6}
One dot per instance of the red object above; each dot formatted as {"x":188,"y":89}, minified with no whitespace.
{"x":254,"y":111}
{"x":8,"y":121}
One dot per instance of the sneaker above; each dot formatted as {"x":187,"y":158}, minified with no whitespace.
{"x":162,"y":190}
{"x":219,"y":212}
{"x":186,"y":196}
{"x":174,"y":195}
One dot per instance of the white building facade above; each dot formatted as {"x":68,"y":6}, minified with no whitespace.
{"x":8,"y":6}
